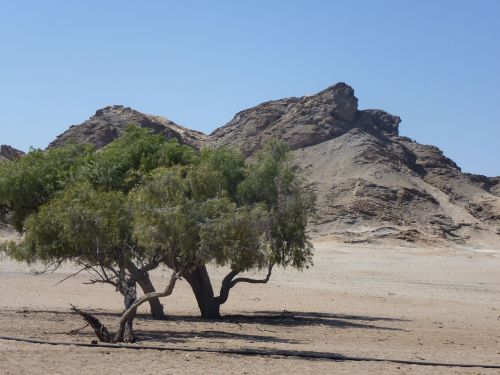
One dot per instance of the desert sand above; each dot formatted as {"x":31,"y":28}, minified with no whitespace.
{"x":393,"y":302}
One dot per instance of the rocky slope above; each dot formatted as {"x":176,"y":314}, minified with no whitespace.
{"x":370,"y":181}
{"x":109,"y":123}
{"x":9,"y":153}
{"x":303,"y":122}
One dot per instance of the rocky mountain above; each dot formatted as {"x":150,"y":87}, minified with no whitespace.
{"x":303,"y":122}
{"x":9,"y":153}
{"x":110,"y":122}
{"x":370,"y":182}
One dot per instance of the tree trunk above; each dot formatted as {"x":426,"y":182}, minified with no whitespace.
{"x":129,"y":297}
{"x":128,"y":315}
{"x":202,"y":288}
{"x":155,"y":305}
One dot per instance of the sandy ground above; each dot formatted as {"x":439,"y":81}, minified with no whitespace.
{"x":358,"y":300}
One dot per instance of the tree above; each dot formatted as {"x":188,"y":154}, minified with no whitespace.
{"x":91,"y":229}
{"x":77,"y":209}
{"x":123,"y":165}
{"x":121,"y":211}
{"x":226,"y":212}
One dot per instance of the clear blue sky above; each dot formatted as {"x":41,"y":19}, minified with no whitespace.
{"x":435,"y":63}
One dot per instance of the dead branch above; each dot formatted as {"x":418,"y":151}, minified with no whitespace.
{"x":100,"y":329}
{"x":102,"y":332}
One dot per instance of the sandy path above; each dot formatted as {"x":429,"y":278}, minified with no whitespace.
{"x":406,"y":303}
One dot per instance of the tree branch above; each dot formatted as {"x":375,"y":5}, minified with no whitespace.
{"x":229,"y":282}
{"x":131,"y":311}
{"x":136,"y":272}
{"x":104,"y":277}
{"x":101,"y":331}
{"x":72,"y":275}
{"x":56,"y":264}
{"x":225,"y":286}
{"x":101,"y":281}
{"x":254,"y":281}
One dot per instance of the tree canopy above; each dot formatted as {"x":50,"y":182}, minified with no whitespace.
{"x":226,"y":212}
{"x":143,"y":201}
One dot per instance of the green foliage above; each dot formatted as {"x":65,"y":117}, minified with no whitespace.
{"x":143,"y":200}
{"x":222,"y":211}
{"x":237,"y":237}
{"x":81,"y":224}
{"x":220,"y":169}
{"x":271,"y":180}
{"x":34,"y":179}
{"x":269,"y":176}
{"x":72,"y":202}
{"x":122,"y":164}
{"x":162,"y":219}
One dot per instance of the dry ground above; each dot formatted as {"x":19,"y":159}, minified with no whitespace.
{"x":359,"y":300}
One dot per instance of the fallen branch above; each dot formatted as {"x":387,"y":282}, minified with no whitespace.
{"x":100,"y":329}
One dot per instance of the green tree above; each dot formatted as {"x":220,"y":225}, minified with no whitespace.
{"x":124,"y":164}
{"x":72,"y":205}
{"x":142,"y":201}
{"x":226,"y":212}
{"x":92,"y":229}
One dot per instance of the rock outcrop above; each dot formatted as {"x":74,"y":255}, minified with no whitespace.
{"x":110,"y":122}
{"x":370,"y":182}
{"x":9,"y":153}
{"x":303,"y":122}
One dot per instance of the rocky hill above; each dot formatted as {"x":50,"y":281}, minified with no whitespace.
{"x":370,"y":182}
{"x":110,"y":122}
{"x":9,"y":153}
{"x":303,"y":122}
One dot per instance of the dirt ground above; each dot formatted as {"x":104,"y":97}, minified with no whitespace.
{"x":410,"y":303}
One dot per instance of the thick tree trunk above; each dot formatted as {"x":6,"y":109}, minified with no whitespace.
{"x":202,"y":288}
{"x":147,"y":287}
{"x":208,"y":303}
{"x":155,"y":305}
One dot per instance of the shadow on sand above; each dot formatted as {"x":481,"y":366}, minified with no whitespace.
{"x":220,"y":329}
{"x":299,"y":318}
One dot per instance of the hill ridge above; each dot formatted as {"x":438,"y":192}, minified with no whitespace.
{"x":370,"y":181}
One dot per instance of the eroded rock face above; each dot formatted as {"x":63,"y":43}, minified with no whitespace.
{"x":110,"y":122}
{"x":302,"y":122}
{"x":370,"y":182}
{"x":9,"y":153}
{"x":365,"y":182}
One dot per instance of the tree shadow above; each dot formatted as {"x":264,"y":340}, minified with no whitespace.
{"x":268,"y":318}
{"x":162,"y":335}
{"x":298,"y":318}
